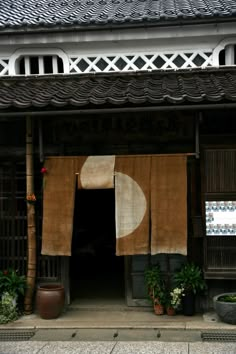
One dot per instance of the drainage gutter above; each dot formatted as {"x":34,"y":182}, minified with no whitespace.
{"x":196,"y":107}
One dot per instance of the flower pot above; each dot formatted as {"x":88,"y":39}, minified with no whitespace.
{"x":158,"y":309}
{"x":170,"y":311}
{"x":188,"y":302}
{"x":225,"y":310}
{"x":50,"y":299}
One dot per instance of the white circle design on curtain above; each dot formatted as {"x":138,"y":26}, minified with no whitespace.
{"x":98,"y":172}
{"x":131,"y":204}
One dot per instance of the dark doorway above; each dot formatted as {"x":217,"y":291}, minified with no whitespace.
{"x":96,"y":273}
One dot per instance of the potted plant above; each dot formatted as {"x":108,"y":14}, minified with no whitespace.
{"x":12,"y":282}
{"x":159,"y":300}
{"x":8,"y":308}
{"x":174,"y":300}
{"x":12,"y":287}
{"x":190,"y":279}
{"x":225,"y":307}
{"x":155,"y":288}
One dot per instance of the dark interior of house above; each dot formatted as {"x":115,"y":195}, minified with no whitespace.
{"x":96,"y":273}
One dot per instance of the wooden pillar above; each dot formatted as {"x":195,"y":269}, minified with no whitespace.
{"x":31,"y":229}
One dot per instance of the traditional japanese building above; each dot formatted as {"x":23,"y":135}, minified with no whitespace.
{"x":130,"y":106}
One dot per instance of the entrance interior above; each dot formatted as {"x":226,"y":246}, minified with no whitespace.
{"x":96,"y":273}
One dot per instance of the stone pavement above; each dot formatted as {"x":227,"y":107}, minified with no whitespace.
{"x":116,"y":347}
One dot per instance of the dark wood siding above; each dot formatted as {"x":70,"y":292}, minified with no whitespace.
{"x":220,"y":171}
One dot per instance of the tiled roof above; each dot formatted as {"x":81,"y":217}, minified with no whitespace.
{"x":136,"y":89}
{"x":38,"y":13}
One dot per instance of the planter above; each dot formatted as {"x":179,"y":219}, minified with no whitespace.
{"x":224,"y":309}
{"x":158,"y":309}
{"x":188,"y":302}
{"x":170,"y":311}
{"x":50,"y":299}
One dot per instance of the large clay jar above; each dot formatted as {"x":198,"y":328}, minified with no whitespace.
{"x":50,"y":299}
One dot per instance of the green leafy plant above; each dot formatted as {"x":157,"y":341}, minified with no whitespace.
{"x":228,"y":298}
{"x":8,"y":308}
{"x":155,"y":284}
{"x":12,"y":283}
{"x":190,"y":278}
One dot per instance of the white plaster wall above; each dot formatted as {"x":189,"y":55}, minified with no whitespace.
{"x":121,"y":41}
{"x":145,"y":39}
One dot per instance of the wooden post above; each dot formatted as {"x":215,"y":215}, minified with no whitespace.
{"x":31,"y":229}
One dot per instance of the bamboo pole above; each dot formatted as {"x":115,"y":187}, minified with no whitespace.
{"x":31,"y":229}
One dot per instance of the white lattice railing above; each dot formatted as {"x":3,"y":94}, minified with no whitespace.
{"x":27,"y":61}
{"x":110,"y":63}
{"x":119,"y":62}
{"x":4,"y":66}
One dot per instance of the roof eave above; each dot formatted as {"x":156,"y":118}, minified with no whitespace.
{"x":114,"y":26}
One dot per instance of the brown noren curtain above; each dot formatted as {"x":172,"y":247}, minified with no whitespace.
{"x":132,"y":175}
{"x":169,"y":204}
{"x":147,"y":189}
{"x":58,"y":204}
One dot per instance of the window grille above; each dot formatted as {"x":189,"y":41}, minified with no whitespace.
{"x":35,"y":61}
{"x":13,"y":222}
{"x":12,"y":217}
{"x":39,"y":65}
{"x":220,"y":255}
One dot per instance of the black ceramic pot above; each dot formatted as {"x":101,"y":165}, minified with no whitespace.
{"x":188,"y":303}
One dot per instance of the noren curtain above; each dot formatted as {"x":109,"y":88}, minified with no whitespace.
{"x":58,"y":204}
{"x":132,"y":176}
{"x":150,"y":201}
{"x":169,"y":204}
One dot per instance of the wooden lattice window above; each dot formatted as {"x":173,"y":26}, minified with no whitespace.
{"x":13,"y":233}
{"x":13,"y":222}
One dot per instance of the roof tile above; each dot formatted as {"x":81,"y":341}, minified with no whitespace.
{"x":37,"y":13}
{"x":158,"y":88}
